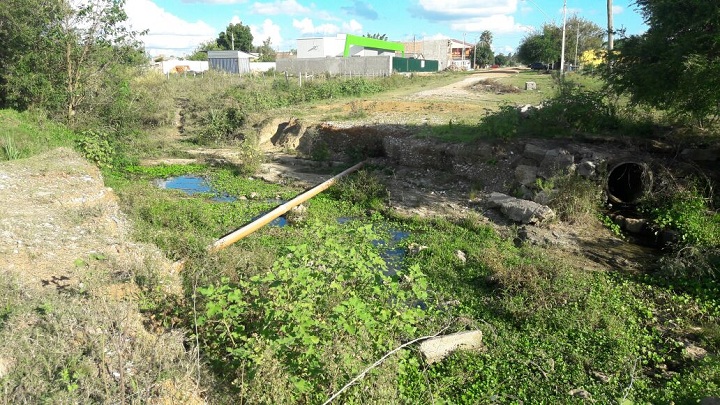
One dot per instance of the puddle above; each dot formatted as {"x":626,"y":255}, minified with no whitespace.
{"x":192,"y":185}
{"x":392,"y":255}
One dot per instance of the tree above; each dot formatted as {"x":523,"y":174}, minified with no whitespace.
{"x":482,"y":54}
{"x":486,"y":38}
{"x":502,"y":60}
{"x":377,"y":35}
{"x":675,"y":64}
{"x":236,"y":36}
{"x":267,"y":53}
{"x":582,"y":35}
{"x":201,"y":52}
{"x":75,"y":59}
{"x":541,"y":46}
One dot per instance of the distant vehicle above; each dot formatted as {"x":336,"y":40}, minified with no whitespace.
{"x":538,"y":66}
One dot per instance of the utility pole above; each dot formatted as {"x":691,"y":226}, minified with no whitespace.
{"x":610,"y":25}
{"x":577,"y":41}
{"x":232,"y":39}
{"x":462,"y":57}
{"x":562,"y":48}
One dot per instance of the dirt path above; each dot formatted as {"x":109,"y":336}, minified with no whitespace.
{"x":458,"y":91}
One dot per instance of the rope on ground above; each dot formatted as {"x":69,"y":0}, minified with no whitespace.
{"x":377,"y":363}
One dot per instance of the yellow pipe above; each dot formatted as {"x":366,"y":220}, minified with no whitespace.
{"x":246,"y":230}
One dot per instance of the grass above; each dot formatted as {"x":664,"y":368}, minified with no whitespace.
{"x":550,"y":325}
{"x":30,"y":133}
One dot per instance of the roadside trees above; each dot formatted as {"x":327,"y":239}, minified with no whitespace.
{"x":65,"y":56}
{"x":675,"y":65}
{"x":235,"y":37}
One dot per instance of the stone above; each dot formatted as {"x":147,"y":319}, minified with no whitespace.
{"x":580,"y":393}
{"x":526,"y":175}
{"x":556,"y":161}
{"x":635,"y":225}
{"x":534,"y":152}
{"x":530,"y":86}
{"x":461,"y":256}
{"x":523,"y":211}
{"x":587,"y":169}
{"x":601,"y":376}
{"x":438,"y":348}
{"x":694,"y":352}
{"x":544,"y":197}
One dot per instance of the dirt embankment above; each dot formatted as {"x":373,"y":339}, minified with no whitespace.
{"x":67,"y":288}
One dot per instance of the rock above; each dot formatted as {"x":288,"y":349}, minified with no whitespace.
{"x":526,"y":212}
{"x":694,"y":352}
{"x":526,"y":175}
{"x":530,"y":86}
{"x":580,"y":393}
{"x":635,"y":225}
{"x":534,"y":152}
{"x":600,"y":376}
{"x":254,"y":195}
{"x":587,"y":169}
{"x":556,"y":161}
{"x":437,"y":348}
{"x":544,"y":197}
{"x":525,"y":111}
{"x":461,"y":256}
{"x":6,"y":366}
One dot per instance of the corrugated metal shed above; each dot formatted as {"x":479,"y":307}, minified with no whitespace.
{"x":229,"y":61}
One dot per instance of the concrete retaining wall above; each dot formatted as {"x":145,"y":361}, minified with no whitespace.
{"x":360,"y":66}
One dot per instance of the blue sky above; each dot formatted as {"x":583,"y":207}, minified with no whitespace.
{"x":176,"y":27}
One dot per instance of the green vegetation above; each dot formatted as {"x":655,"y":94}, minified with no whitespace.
{"x":292,"y":313}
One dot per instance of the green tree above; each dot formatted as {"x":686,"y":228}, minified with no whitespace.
{"x":267,"y":53}
{"x":675,"y":64}
{"x":65,"y":57}
{"x":486,"y":38}
{"x":541,"y":46}
{"x":581,"y":35}
{"x":235,"y":37}
{"x":382,"y":37}
{"x":502,"y":60}
{"x":200,"y":53}
{"x":483,"y":55}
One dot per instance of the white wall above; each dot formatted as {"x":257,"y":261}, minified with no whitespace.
{"x":320,"y":47}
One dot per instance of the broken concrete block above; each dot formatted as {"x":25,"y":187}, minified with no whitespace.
{"x":530,"y":86}
{"x":437,"y":348}
{"x":556,"y":161}
{"x":587,"y":169}
{"x":524,"y":211}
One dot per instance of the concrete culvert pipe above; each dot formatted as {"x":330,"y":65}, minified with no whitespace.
{"x":628,"y":182}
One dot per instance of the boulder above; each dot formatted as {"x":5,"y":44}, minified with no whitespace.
{"x":523,"y":211}
{"x":556,"y":161}
{"x":526,"y":175}
{"x":587,"y":168}
{"x":437,"y":348}
{"x":534,"y":152}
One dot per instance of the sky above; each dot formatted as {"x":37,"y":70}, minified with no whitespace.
{"x":177,"y":27}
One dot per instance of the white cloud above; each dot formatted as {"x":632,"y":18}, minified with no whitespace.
{"x":617,"y":9}
{"x":286,"y":7}
{"x":306,"y":26}
{"x":268,"y":29}
{"x":497,"y":24}
{"x":353,"y":26}
{"x":451,"y":9}
{"x":167,"y":33}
